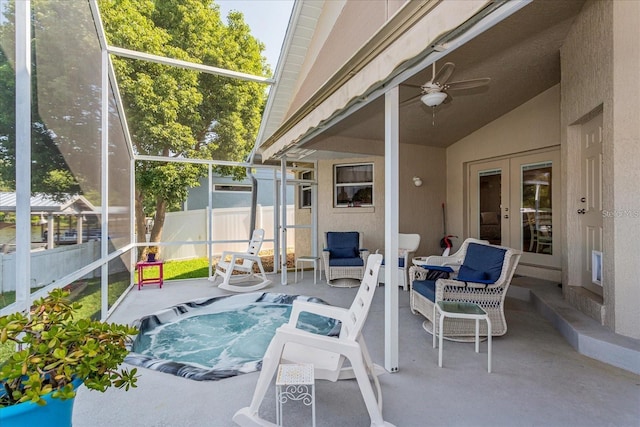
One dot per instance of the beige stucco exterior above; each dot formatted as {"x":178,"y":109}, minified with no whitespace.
{"x":600,"y":59}
{"x":531,"y":126}
{"x":599,"y":62}
{"x":420,"y":207}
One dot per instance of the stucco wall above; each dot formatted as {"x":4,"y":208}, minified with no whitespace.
{"x":600,"y":62}
{"x":533,"y":125}
{"x":626,"y":158}
{"x":420,"y":207}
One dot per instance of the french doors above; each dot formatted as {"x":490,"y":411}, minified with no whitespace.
{"x":515,"y":202}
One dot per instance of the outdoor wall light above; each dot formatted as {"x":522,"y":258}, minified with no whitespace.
{"x":417,"y":181}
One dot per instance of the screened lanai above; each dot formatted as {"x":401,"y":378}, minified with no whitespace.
{"x":73,"y":139}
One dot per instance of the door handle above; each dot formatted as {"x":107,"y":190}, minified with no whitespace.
{"x":583,"y":199}
{"x":581,"y":211}
{"x":506,"y":216}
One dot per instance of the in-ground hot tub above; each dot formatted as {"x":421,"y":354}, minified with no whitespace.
{"x":220,"y":337}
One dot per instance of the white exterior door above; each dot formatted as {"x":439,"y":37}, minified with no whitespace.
{"x":590,"y":212}
{"x":515,"y":202}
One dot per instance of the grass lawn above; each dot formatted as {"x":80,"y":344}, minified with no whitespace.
{"x":199,"y":267}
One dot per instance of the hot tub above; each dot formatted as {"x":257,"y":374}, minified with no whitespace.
{"x":219,"y":337}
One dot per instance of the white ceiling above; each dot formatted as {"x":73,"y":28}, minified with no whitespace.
{"x":520,"y":55}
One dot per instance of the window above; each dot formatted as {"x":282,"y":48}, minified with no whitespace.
{"x":236,"y":188}
{"x":353,"y":185}
{"x":305,"y":190}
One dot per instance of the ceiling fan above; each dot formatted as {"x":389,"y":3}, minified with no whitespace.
{"x":436,"y":91}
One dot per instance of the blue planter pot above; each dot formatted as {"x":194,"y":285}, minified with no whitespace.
{"x":56,"y":413}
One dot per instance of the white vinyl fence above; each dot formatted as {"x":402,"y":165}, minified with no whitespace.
{"x":50,"y":265}
{"x":228,"y":224}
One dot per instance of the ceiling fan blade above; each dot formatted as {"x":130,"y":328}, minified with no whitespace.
{"x":410,"y":100}
{"x":444,"y":73}
{"x":467,"y":84}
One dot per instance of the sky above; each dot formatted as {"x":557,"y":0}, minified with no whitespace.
{"x":268,"y":20}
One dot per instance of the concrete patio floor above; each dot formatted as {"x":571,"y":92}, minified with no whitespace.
{"x":538,"y":379}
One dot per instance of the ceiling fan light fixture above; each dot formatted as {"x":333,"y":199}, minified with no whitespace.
{"x":433,"y":99}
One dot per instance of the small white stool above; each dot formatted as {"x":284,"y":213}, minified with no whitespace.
{"x":314,"y":259}
{"x":295,"y":382}
{"x":461,"y":310}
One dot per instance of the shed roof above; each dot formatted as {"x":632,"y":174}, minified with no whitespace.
{"x":41,"y":203}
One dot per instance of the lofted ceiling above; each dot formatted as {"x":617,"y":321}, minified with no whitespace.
{"x":521,"y":55}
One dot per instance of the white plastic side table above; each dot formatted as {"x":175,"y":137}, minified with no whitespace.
{"x":461,"y":310}
{"x":295,"y":382}
{"x":315,"y":260}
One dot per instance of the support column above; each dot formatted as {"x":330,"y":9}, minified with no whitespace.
{"x":283,"y":219}
{"x":23,"y":153}
{"x":391,"y":196}
{"x":104,"y":170}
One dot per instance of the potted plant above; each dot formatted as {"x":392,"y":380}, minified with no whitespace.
{"x":56,"y":353}
{"x":152,"y":251}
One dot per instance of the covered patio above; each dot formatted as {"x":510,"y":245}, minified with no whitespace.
{"x":541,"y":372}
{"x":537,"y":377}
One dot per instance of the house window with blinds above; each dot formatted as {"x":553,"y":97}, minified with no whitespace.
{"x":353,"y":185}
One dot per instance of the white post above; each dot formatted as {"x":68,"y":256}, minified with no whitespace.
{"x":79,"y":231}
{"x":314,"y":214}
{"x":276,"y":221}
{"x":391,"y":190}
{"x":51,"y":232}
{"x":23,"y":153}
{"x":283,"y":219}
{"x":210,"y":218}
{"x":104,"y":169}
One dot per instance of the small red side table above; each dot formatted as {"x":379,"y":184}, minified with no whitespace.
{"x":155,"y":280}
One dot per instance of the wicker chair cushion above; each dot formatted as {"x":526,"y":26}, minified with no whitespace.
{"x":343,"y":252}
{"x":343,"y":244}
{"x":482,"y":264}
{"x":426,"y":288}
{"x":468,"y":274}
{"x":346,"y":262}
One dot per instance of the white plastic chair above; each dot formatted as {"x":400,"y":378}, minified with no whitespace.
{"x":327,"y":354}
{"x":407,"y":245}
{"x":242,"y":262}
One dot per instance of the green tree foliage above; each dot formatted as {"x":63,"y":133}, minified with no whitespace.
{"x":183,"y":113}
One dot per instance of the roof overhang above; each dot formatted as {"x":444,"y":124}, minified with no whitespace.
{"x":417,"y":35}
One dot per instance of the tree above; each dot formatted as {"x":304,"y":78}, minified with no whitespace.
{"x":182,"y":113}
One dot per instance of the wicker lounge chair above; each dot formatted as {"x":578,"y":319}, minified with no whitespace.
{"x":483,"y":278}
{"x":453,"y":261}
{"x":343,"y":258}
{"x":327,"y":354}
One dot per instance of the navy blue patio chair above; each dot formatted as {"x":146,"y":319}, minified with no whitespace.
{"x":344,"y":258}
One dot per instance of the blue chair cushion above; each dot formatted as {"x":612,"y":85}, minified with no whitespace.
{"x":468,"y":274}
{"x":482,"y":264}
{"x":343,"y":252}
{"x":426,"y":288}
{"x":346,"y":262}
{"x":343,"y":244}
